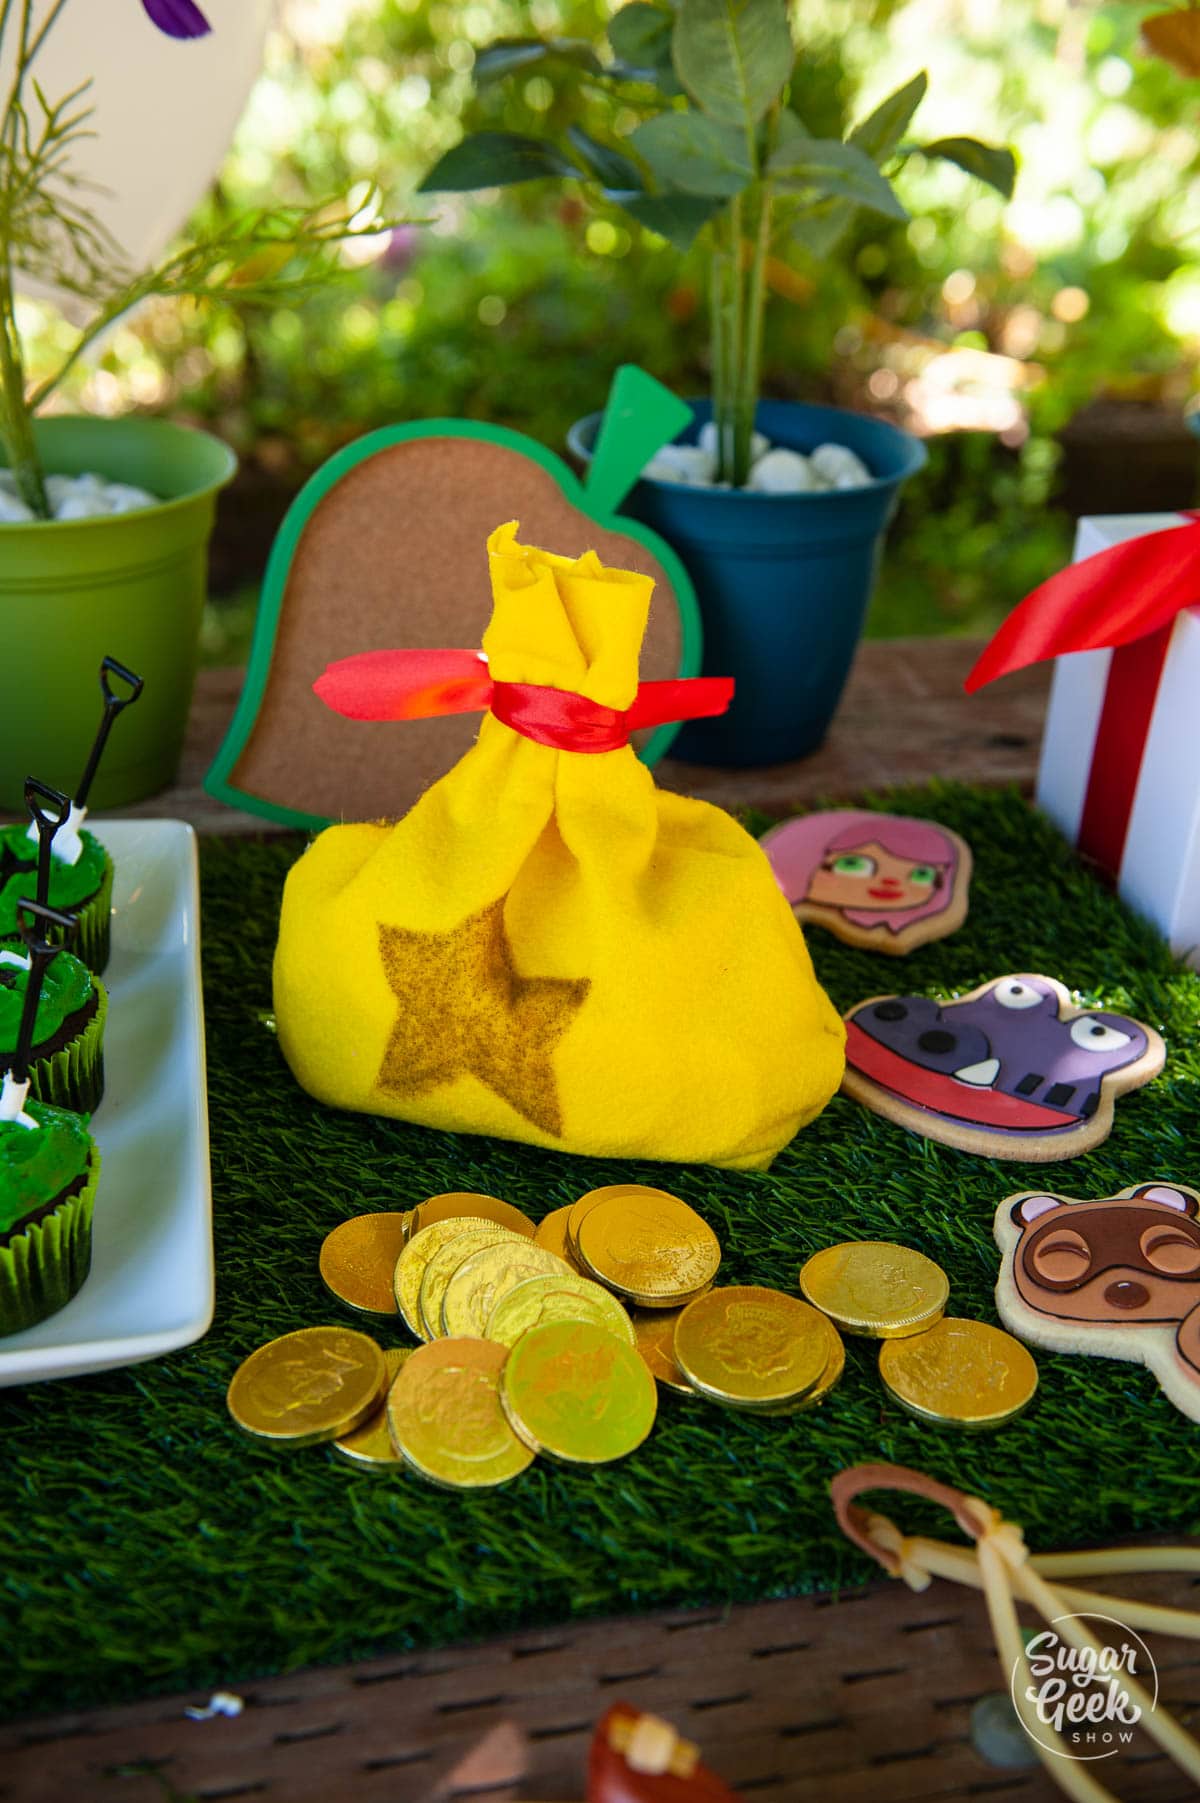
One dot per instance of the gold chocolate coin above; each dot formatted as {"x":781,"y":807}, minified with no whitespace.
{"x":960,"y":1373}
{"x":371,"y":1444}
{"x":576,"y":1392}
{"x":317,"y":1384}
{"x":481,"y":1280}
{"x":445,"y":1263}
{"x":552,"y":1234}
{"x":357,"y":1261}
{"x":752,"y":1347}
{"x":650,"y":1247}
{"x":460,"y":1203}
{"x":445,"y":1418}
{"x":410,"y":1266}
{"x":654,"y":1336}
{"x":874,"y":1288}
{"x":579,"y":1211}
{"x":556,"y":1296}
{"x":832,"y":1374}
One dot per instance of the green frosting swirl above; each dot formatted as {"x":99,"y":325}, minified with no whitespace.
{"x":38,"y":1163}
{"x":66,"y":987}
{"x":70,"y":884}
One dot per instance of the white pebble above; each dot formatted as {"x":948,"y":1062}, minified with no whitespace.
{"x":123,"y":497}
{"x":83,"y":497}
{"x":839,"y":466}
{"x":86,"y":504}
{"x":759,"y":444}
{"x":689,"y":464}
{"x":781,"y":472}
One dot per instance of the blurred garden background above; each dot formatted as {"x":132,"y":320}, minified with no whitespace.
{"x":1046,"y":347}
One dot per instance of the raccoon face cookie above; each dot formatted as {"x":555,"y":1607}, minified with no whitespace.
{"x":1012,"y":1070}
{"x":882,"y":881}
{"x":1118,"y":1278}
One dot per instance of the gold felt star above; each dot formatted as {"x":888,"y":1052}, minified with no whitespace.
{"x":464,"y":1008}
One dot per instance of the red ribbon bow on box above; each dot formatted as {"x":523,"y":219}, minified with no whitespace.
{"x":416,"y":685}
{"x":1126,"y":597}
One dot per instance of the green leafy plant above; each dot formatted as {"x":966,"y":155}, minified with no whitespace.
{"x":50,"y":233}
{"x":705,"y":138}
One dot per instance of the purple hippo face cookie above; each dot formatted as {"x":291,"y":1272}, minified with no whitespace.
{"x":1012,"y":1070}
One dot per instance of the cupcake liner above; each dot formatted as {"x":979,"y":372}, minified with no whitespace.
{"x":42,"y":1267}
{"x":74,"y":1077}
{"x":93,"y":939}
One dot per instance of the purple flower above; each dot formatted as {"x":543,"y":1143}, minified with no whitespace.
{"x":178,"y":18}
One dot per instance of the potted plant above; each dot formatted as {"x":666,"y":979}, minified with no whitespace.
{"x":121,"y":569}
{"x":704,"y":139}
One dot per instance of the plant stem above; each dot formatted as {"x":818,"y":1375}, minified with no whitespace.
{"x":734,"y":347}
{"x":127,"y":298}
{"x":16,"y":422}
{"x":747,"y":398}
{"x":44,"y":30}
{"x":716,"y":300}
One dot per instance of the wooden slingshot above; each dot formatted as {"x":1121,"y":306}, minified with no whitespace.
{"x":1001,"y":1566}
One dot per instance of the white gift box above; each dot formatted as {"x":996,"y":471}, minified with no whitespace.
{"x":1158,"y":872}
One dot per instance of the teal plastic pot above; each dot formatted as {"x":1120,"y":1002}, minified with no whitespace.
{"x":130,"y":586}
{"x":783,"y":581}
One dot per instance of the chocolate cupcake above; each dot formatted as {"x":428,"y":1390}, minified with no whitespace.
{"x":66,"y":1058}
{"x":49,"y":1167}
{"x":82,"y":887}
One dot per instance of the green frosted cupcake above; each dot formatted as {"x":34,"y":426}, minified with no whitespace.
{"x":48,"y":1174}
{"x":66,"y":1059}
{"x":83,"y":888}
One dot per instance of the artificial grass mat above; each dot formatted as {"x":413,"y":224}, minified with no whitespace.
{"x":147,"y":1545}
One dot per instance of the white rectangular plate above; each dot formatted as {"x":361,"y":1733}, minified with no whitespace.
{"x":151,"y":1284}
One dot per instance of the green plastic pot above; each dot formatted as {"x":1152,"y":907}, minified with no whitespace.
{"x":130,"y":586}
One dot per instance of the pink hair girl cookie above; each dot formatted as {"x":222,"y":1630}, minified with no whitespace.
{"x":882,"y":881}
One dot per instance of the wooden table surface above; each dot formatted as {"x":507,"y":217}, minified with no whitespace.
{"x":821,"y":1699}
{"x":904,"y":719}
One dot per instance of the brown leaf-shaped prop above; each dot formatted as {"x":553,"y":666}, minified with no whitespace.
{"x":382,"y":548}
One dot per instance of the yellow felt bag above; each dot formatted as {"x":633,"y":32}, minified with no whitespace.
{"x":547,"y":947}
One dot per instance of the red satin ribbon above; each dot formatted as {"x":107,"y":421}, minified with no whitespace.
{"x":1112,"y":598}
{"x":417,"y":685}
{"x":1125,"y":597}
{"x":1120,"y":744}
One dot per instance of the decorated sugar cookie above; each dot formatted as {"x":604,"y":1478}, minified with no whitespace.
{"x":1119,"y":1277}
{"x":882,"y":881}
{"x":1012,"y":1070}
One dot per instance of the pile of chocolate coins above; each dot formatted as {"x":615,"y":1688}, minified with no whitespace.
{"x":527,"y":1347}
{"x":949,"y":1372}
{"x":552,"y":1339}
